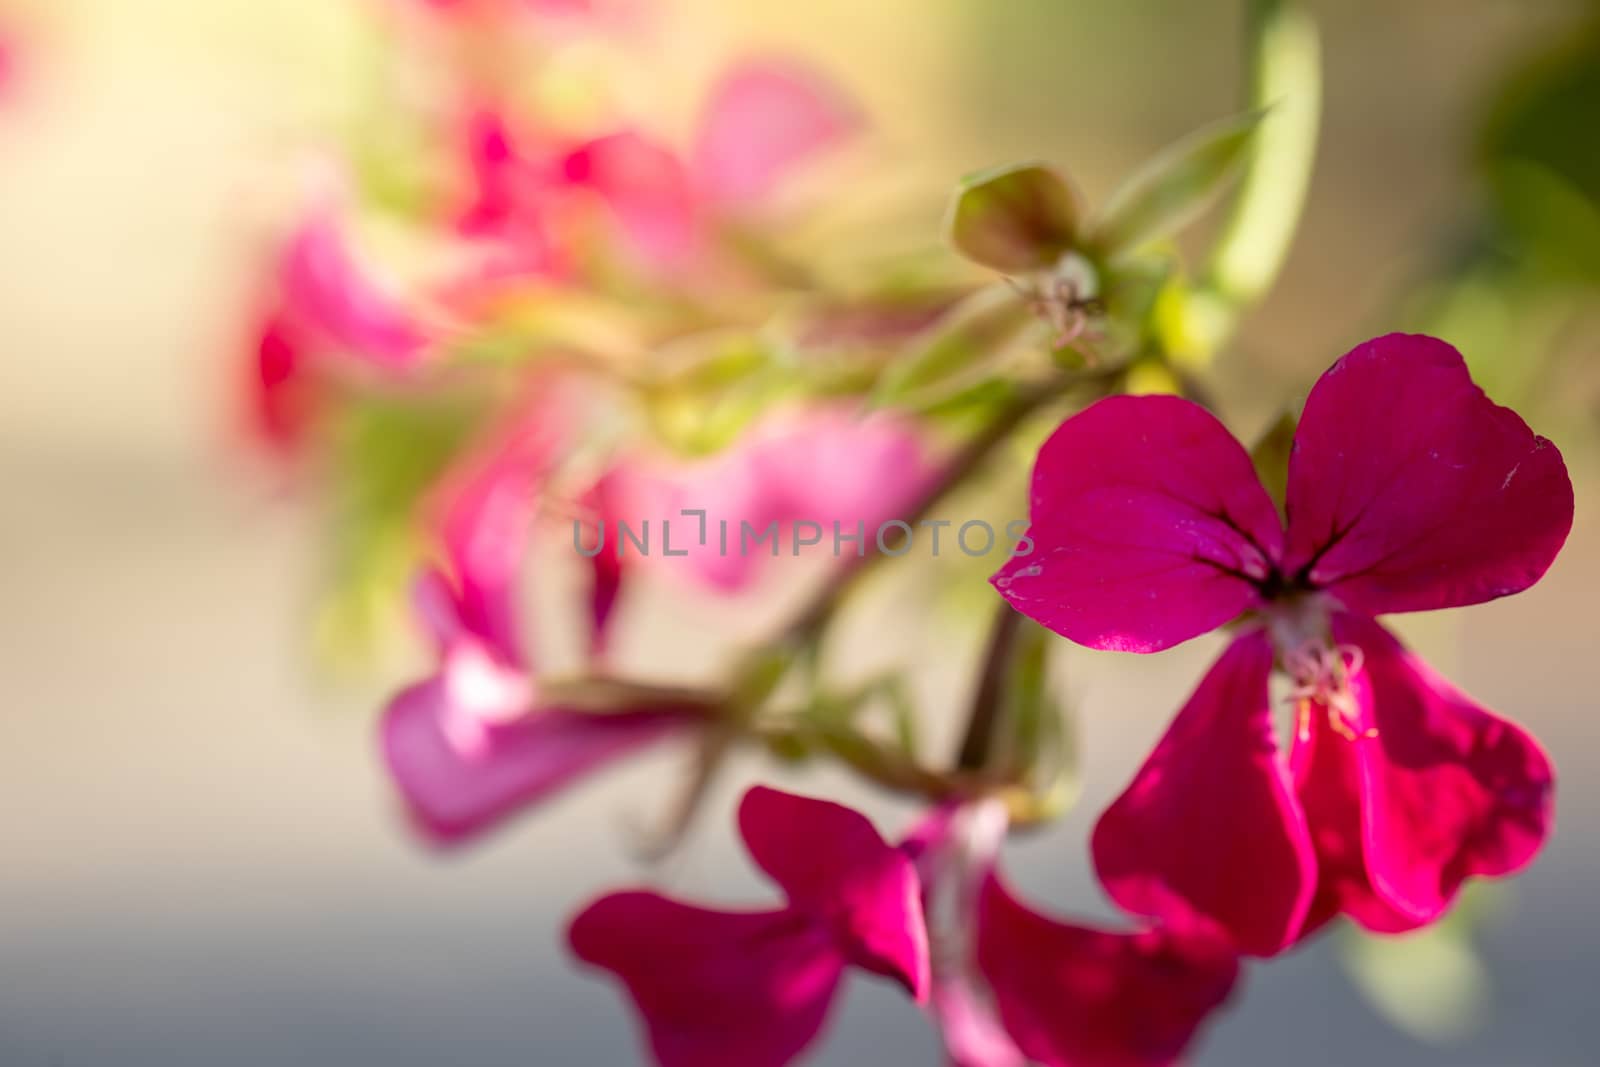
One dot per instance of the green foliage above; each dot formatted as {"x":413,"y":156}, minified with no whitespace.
{"x":1169,"y":191}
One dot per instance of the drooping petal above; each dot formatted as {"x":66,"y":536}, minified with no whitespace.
{"x":1149,"y":527}
{"x":765,"y":119}
{"x":1074,"y":996}
{"x":1450,"y":790}
{"x":714,"y":989}
{"x":832,"y":864}
{"x":647,"y":188}
{"x":461,"y":772}
{"x":1209,"y":835}
{"x":1327,"y":775}
{"x":1410,"y":490}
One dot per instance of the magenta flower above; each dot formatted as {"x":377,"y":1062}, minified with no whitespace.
{"x":753,"y":988}
{"x":1408,"y":490}
{"x":1012,"y":987}
{"x":473,"y":743}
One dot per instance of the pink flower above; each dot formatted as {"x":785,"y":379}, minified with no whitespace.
{"x":1011,"y":986}
{"x":473,"y":743}
{"x":766,"y":120}
{"x":814,"y":469}
{"x":1408,"y":490}
{"x":753,"y":988}
{"x":329,"y":314}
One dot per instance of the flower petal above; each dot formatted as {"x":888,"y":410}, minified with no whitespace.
{"x":714,"y":989}
{"x":1209,"y":835}
{"x":1410,"y":490}
{"x":834,"y":865}
{"x":765,"y":119}
{"x":484,"y":511}
{"x":460,"y":774}
{"x":1327,"y":774}
{"x":647,"y":188}
{"x":1450,"y":790}
{"x":1149,"y":527}
{"x":326,"y":290}
{"x":1071,"y":996}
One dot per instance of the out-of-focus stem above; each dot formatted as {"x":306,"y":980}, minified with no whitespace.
{"x":1285,"y":80}
{"x":988,"y":696}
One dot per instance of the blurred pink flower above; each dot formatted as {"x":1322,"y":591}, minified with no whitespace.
{"x":753,"y":988}
{"x":762,"y":123}
{"x":1012,"y":987}
{"x":328,"y":314}
{"x":821,"y":466}
{"x":474,"y":743}
{"x":1408,"y":490}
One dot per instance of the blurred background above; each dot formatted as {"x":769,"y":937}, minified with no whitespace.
{"x":200,"y":860}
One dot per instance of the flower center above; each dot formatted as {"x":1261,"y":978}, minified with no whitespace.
{"x":1320,"y":674}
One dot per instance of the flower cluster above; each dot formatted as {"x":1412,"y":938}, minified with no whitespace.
{"x":613,"y":326}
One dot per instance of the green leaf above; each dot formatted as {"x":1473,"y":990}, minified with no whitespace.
{"x":1169,"y":191}
{"x":1014,"y":218}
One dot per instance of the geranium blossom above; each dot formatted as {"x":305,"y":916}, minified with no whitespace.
{"x":1408,"y":490}
{"x":474,"y":742}
{"x":754,"y":988}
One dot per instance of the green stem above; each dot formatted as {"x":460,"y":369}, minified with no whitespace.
{"x":1285,"y":79}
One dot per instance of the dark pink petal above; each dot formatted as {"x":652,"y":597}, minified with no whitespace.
{"x":763,"y":121}
{"x":645,"y":185}
{"x":833,"y":865}
{"x":327,"y":291}
{"x":1149,"y":527}
{"x":1074,"y":996}
{"x":1209,"y":836}
{"x":714,"y":989}
{"x":282,"y":394}
{"x":1410,"y":490}
{"x":1449,"y":790}
{"x":1328,"y":782}
{"x":462,"y":772}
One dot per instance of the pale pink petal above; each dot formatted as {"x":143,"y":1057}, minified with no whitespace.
{"x":646,"y":187}
{"x":763,"y":121}
{"x":1209,"y":836}
{"x":1149,"y":527}
{"x":1075,"y":996}
{"x":712,"y":988}
{"x":326,"y":290}
{"x":1410,"y":490}
{"x":833,"y":865}
{"x":1450,"y":790}
{"x":973,"y":1036}
{"x":461,"y":774}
